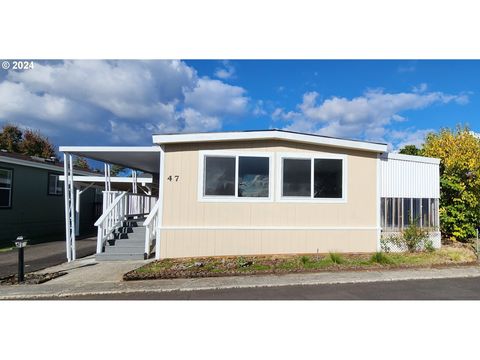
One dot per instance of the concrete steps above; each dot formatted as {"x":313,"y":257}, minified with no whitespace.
{"x":128,"y":242}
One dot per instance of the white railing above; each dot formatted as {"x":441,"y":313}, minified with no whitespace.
{"x":118,"y":206}
{"x":151,"y":228}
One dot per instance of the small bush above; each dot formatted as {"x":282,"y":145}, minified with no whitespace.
{"x":428,"y":245}
{"x":414,"y":236}
{"x":380,"y":258}
{"x":305,"y":260}
{"x":336,"y":258}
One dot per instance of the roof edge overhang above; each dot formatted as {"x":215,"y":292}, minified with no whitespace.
{"x":270,"y":135}
{"x":414,"y":158}
{"x":84,"y":149}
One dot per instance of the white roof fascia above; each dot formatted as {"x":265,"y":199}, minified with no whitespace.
{"x":414,"y":158}
{"x":115,"y":179}
{"x":109,"y":149}
{"x":268,"y":135}
{"x":39,"y":165}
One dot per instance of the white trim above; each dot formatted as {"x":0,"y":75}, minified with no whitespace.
{"x":420,"y":159}
{"x":115,"y":179}
{"x":86,"y":149}
{"x":161,"y":185}
{"x":269,"y":135}
{"x":378,"y":202}
{"x":311,"y":156}
{"x":35,"y":164}
{"x":271,"y":228}
{"x":66,"y":194}
{"x":235,"y":154}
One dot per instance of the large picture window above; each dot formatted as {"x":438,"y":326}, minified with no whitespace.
{"x":312,"y":178}
{"x":236,"y":176}
{"x":6,"y":176}
{"x":55,"y":186}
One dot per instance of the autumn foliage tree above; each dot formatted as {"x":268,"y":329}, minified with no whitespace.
{"x":28,"y":142}
{"x":459,"y":151}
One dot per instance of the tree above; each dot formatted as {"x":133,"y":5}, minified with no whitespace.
{"x":411,"y":150}
{"x":35,"y":144}
{"x":10,"y":138}
{"x":81,"y":162}
{"x":116,"y":169}
{"x":459,"y":151}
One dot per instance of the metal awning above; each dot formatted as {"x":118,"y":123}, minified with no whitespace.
{"x":143,"y":158}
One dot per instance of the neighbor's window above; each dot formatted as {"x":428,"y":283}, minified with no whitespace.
{"x":55,"y":186}
{"x":237,"y":176}
{"x":6,"y":188}
{"x":327,"y":178}
{"x":397,"y":213}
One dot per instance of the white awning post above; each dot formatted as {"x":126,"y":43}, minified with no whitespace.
{"x":77,"y":211}
{"x":72,"y":209}
{"x":67,"y":206}
{"x":160,"y":200}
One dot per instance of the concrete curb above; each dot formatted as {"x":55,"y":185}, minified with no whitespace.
{"x":58,"y":291}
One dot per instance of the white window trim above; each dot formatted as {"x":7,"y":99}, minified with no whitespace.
{"x":236,"y":154}
{"x":9,"y":206}
{"x":311,"y":157}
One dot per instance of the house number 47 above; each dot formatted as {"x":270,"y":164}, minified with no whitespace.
{"x":173,"y":178}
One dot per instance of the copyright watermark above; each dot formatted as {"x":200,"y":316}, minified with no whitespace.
{"x":17,"y":65}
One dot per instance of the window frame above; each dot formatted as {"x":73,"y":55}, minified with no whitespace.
{"x":311,"y":156}
{"x":11,"y":188}
{"x":233,"y":154}
{"x":48,"y":183}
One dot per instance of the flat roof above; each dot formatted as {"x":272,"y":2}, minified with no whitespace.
{"x":272,"y":134}
{"x":143,"y":158}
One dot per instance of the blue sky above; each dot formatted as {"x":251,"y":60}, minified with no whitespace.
{"x":124,"y":102}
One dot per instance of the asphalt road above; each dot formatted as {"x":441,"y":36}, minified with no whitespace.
{"x":41,"y":256}
{"x":438,"y":289}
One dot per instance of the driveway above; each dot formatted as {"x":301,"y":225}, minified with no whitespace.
{"x":43,"y":255}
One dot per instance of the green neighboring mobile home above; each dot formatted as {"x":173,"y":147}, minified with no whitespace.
{"x":32,"y":202}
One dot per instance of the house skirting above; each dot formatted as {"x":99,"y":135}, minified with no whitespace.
{"x":434,"y":236}
{"x":192,"y":242}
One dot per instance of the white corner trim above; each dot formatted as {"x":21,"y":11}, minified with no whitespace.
{"x":268,"y":135}
{"x":236,"y":154}
{"x":161,"y":186}
{"x":311,"y":156}
{"x":378,"y":202}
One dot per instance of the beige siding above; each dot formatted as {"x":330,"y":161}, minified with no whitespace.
{"x":346,"y":227}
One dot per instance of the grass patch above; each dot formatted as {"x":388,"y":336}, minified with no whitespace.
{"x":229,"y":266}
{"x":380,"y":258}
{"x":5,"y":249}
{"x":336,"y":258}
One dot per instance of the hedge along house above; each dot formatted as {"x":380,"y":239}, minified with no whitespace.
{"x":270,"y":192}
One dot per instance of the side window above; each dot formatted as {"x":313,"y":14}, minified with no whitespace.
{"x":296,"y":177}
{"x":253,"y":176}
{"x":327,"y":178}
{"x":6,"y":176}
{"x":55,"y":186}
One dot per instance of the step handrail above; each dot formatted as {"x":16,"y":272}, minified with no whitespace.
{"x":151,"y":230}
{"x":110,"y":219}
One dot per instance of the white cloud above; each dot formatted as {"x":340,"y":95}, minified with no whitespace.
{"x":367,"y":116}
{"x":215,"y":97}
{"x":227,"y":71}
{"x":116,"y":101}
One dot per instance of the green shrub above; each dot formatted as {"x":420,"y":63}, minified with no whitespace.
{"x":305,"y":260}
{"x":380,"y":258}
{"x":414,"y":236}
{"x":428,"y":245}
{"x":336,"y":258}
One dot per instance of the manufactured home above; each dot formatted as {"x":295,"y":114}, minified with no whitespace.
{"x":32,"y":202}
{"x":258,"y":192}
